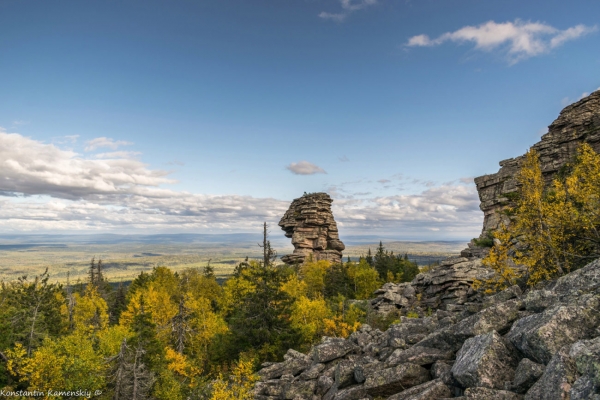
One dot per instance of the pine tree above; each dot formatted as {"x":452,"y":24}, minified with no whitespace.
{"x":119,"y":304}
{"x":369,"y":258}
{"x":209,"y":272}
{"x":35,"y":311}
{"x":99,"y":274}
{"x":92,"y":271}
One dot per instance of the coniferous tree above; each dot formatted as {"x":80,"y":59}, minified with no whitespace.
{"x":369,"y":257}
{"x":119,"y":304}
{"x":99,"y":274}
{"x":34,"y":310}
{"x":92,"y":271}
{"x":209,"y":272}
{"x":259,"y":321}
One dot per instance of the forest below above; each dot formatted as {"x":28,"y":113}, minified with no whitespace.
{"x":181,"y":334}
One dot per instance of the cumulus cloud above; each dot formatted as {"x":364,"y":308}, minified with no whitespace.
{"x":105,"y":142}
{"x":60,"y":190}
{"x":451,"y":209}
{"x":305,"y":168}
{"x":44,"y":188}
{"x":348,"y":7}
{"x":517,"y":40}
{"x":30,"y":167}
{"x":118,"y":154}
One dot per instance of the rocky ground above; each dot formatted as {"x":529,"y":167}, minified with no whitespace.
{"x":541,"y":344}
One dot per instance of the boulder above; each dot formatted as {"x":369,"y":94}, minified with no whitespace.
{"x":331,"y":350}
{"x":481,"y":393}
{"x":586,"y":354}
{"x":344,"y":373}
{"x":419,"y":356}
{"x":431,"y":390}
{"x":501,"y":297}
{"x":324,"y":383}
{"x":351,"y":393}
{"x":557,"y":379}
{"x":526,"y":374}
{"x":299,"y":389}
{"x":312,"y":372}
{"x":485,"y":361}
{"x":498,"y":318}
{"x":584,"y":388}
{"x":291,"y":366}
{"x":411,"y":327}
{"x":389,"y":381}
{"x":291,"y":354}
{"x":362,"y":371}
{"x":539,"y":336}
{"x":441,"y":370}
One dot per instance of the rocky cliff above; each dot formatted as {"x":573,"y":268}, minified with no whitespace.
{"x":577,"y":123}
{"x":309,"y":222}
{"x":544,"y":344}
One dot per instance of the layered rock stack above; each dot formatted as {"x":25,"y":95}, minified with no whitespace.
{"x":309,"y":222}
{"x":576,"y":124}
{"x":544,"y":344}
{"x":447,"y":288}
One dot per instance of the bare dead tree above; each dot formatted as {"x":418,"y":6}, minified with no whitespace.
{"x":269,"y":255}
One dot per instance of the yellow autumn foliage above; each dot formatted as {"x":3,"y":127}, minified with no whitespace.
{"x":90,"y":311}
{"x":239,"y":384}
{"x":313,"y":274}
{"x":308,"y":317}
{"x":553,"y":229}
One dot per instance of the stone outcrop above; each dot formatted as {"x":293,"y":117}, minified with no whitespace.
{"x":576,"y":124}
{"x":309,"y":222}
{"x":543,"y":344}
{"x":447,"y":287}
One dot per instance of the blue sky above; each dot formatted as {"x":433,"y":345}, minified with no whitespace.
{"x":197,"y":116}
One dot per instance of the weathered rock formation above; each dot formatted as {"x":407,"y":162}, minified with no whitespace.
{"x":309,"y":222}
{"x":576,"y":124}
{"x":447,"y":287}
{"x":544,"y":344}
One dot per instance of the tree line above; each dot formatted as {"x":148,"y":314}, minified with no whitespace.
{"x":178,"y":335}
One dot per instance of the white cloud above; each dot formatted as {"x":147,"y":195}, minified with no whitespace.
{"x":44,"y":188}
{"x":118,"y":154}
{"x":105,"y":142}
{"x":34,"y":168}
{"x":348,"y":7}
{"x":305,"y":168}
{"x":453,"y":210}
{"x":72,"y":138}
{"x":517,"y":40}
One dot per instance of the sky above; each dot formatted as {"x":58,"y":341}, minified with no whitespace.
{"x":212,"y":116}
